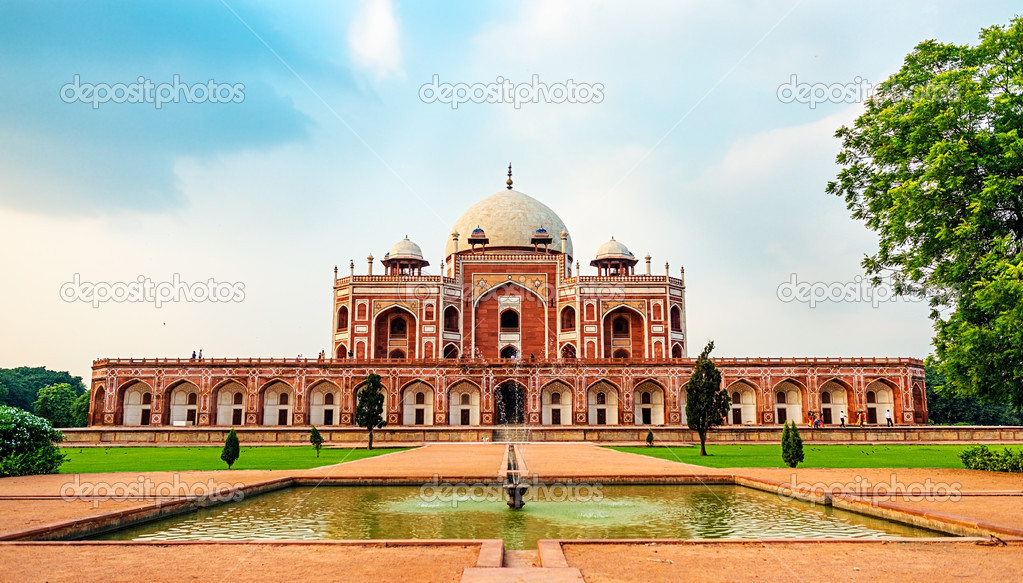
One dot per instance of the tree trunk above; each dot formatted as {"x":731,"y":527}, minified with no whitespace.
{"x":703,"y":444}
{"x":371,"y":438}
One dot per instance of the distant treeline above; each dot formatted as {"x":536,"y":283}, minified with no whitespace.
{"x":64,"y":404}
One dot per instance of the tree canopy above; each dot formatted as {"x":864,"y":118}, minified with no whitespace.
{"x":23,"y":384}
{"x":56,"y":404}
{"x":935,"y":167}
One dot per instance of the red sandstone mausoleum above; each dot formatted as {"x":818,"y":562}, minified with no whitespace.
{"x":509,"y":333}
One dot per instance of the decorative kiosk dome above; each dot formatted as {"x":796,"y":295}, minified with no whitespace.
{"x":511,"y":220}
{"x":614,"y":258}
{"x":404,"y":258}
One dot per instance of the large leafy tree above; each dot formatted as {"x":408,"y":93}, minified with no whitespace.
{"x":56,"y":404}
{"x":950,"y":409}
{"x":707,"y":403}
{"x":935,"y":167}
{"x":23,"y":384}
{"x":369,"y":411}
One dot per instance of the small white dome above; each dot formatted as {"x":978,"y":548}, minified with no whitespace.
{"x":405,"y":249}
{"x":614,"y":250}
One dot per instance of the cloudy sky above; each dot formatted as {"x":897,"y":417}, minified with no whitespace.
{"x":325,"y":150}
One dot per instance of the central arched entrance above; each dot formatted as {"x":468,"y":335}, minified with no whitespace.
{"x":510,"y":404}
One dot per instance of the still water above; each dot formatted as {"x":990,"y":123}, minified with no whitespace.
{"x":342,"y":512}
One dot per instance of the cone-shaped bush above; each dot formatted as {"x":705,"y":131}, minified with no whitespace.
{"x":231,"y":449}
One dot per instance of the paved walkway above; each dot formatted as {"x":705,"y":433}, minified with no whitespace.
{"x":984,"y":497}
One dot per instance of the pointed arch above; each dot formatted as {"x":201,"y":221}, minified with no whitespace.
{"x":225,"y":409}
{"x":556,"y":403}
{"x":648,"y":402}
{"x":464,"y":403}
{"x":745,"y":402}
{"x":602,"y":398}
{"x":132,"y":408}
{"x":324,"y":402}
{"x":791,"y":401}
{"x":417,"y":398}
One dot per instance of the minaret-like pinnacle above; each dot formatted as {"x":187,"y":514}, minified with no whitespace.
{"x":509,"y":183}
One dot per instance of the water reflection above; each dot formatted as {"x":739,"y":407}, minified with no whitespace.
{"x":624,"y":512}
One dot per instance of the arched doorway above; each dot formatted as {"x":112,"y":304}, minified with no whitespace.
{"x":788,"y":397}
{"x":465,"y":404}
{"x":417,"y":401}
{"x":324,"y":404}
{"x":879,"y":401}
{"x":509,"y":404}
{"x":556,"y":402}
{"x":602,"y":404}
{"x":648,"y":400}
{"x":744,"y":403}
{"x":230,"y":404}
{"x":184,"y":405}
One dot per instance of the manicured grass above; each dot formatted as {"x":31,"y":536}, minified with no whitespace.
{"x":867,"y":455}
{"x":177,"y":459}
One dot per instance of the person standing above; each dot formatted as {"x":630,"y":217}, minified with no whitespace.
{"x":860,"y":418}
{"x":841,"y":419}
{"x":888,"y":418}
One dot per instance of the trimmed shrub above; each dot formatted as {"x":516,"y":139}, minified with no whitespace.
{"x":231,"y":449}
{"x":979,"y":457}
{"x":791,"y":445}
{"x":649,"y":437}
{"x":28,"y":444}
{"x":316,"y":439}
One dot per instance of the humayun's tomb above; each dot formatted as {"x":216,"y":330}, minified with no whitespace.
{"x":509,"y":333}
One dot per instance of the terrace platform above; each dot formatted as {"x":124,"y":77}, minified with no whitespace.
{"x":617,"y":435}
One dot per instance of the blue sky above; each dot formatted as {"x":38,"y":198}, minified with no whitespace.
{"x":690,"y":156}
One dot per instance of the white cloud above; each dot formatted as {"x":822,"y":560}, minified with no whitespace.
{"x":374,"y":39}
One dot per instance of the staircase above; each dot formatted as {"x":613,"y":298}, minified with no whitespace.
{"x":511,"y":434}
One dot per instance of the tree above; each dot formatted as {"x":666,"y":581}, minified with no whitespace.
{"x":944,"y":408}
{"x":231,"y":449}
{"x":649,"y":437}
{"x":935,"y":167}
{"x":28,"y":444}
{"x":80,"y":410}
{"x":23,"y":384}
{"x":56,"y":404}
{"x":316,"y":439}
{"x":707,"y":403}
{"x":791,"y":445}
{"x":369,"y":412}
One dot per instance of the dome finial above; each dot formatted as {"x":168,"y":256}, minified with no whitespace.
{"x":509,"y":183}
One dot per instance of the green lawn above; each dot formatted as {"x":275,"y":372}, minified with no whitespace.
{"x":156,"y":459}
{"x":867,"y":455}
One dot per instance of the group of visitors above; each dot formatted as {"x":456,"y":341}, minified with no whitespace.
{"x":817,"y":422}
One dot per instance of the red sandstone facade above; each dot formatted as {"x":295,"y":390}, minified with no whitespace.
{"x":507,"y":334}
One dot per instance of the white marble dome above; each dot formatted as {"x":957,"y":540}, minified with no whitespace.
{"x":509,"y":219}
{"x":405,"y":249}
{"x":613,"y":250}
